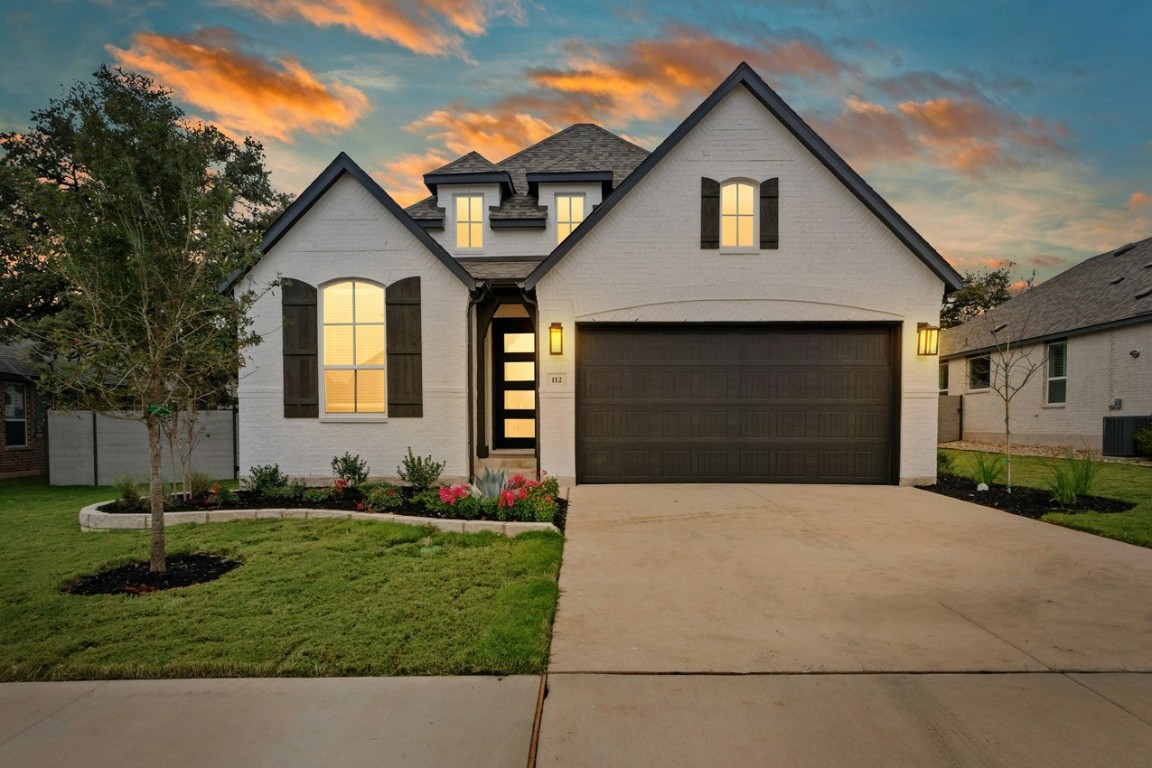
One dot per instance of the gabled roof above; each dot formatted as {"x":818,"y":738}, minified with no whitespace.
{"x":473,"y":162}
{"x":344,"y":165}
{"x":580,"y":148}
{"x":472,"y":168}
{"x":1105,"y":291}
{"x":744,"y":76}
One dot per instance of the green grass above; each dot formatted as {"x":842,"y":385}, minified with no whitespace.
{"x":313,"y":598}
{"x":1129,"y":482}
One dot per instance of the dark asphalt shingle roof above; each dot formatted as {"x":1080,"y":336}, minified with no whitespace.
{"x":577,"y":148}
{"x":14,"y":359}
{"x":500,"y":271}
{"x":1100,"y":291}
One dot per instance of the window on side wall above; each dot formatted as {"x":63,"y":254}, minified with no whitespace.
{"x":470,"y":221}
{"x":15,"y":415}
{"x":979,"y":373}
{"x":1056,"y":392}
{"x":569,"y":214}
{"x":737,"y":215}
{"x":353,"y":348}
{"x":943,"y":378}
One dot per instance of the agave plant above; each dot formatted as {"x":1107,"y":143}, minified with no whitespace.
{"x":491,"y":482}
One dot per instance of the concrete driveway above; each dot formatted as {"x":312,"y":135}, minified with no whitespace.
{"x":902,"y":596}
{"x":788,"y":578}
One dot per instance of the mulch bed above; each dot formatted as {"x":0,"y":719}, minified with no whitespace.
{"x":136,"y":579}
{"x":346,"y":501}
{"x":1023,"y":501}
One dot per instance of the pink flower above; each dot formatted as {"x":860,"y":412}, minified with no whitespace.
{"x":446,"y":496}
{"x":507,"y":498}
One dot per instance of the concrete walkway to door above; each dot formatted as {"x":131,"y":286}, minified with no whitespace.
{"x":788,"y":578}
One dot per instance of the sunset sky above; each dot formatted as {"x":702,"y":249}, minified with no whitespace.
{"x":1000,"y":129}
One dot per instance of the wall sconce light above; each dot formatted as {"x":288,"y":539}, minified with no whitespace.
{"x":556,"y":339}
{"x":927,"y":339}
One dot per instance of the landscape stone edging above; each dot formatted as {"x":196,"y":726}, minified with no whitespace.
{"x":92,"y":519}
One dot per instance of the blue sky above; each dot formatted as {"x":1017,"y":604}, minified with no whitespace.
{"x":1001,"y":130}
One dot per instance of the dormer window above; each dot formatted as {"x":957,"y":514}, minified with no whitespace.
{"x":569,"y":214}
{"x":470,"y":221}
{"x":737,"y":215}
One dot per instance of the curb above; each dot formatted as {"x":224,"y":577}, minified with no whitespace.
{"x":92,"y":519}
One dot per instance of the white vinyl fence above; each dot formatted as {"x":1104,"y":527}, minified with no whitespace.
{"x":85,"y":448}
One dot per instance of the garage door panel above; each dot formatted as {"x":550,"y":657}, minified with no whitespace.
{"x":663,"y":403}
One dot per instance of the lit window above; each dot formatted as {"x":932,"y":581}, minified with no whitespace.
{"x":979,"y":372}
{"x":569,"y":214}
{"x":943,"y":378}
{"x":15,"y":415}
{"x":1057,"y":390}
{"x":737,"y":215}
{"x":353,"y":347}
{"x":470,"y":221}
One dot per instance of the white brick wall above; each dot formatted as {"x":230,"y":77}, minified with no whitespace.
{"x":347,"y":233}
{"x":1100,"y":370}
{"x":836,"y":261}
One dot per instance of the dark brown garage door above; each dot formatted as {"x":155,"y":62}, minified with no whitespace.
{"x":660,"y":403}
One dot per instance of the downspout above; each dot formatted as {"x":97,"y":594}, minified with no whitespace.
{"x":531,"y":301}
{"x":474,"y":298}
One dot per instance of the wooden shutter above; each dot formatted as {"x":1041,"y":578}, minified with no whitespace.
{"x":301,"y":387}
{"x":709,"y":213}
{"x":770,"y":213}
{"x":405,"y":379}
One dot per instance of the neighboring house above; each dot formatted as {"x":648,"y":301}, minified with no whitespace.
{"x":24,"y":442}
{"x":736,"y":306}
{"x":1088,"y":334}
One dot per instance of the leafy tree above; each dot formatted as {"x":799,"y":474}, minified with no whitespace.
{"x":982,"y":291}
{"x":127,"y":220}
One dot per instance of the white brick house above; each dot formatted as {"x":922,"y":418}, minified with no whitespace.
{"x":737,"y":306}
{"x":1087,"y":332}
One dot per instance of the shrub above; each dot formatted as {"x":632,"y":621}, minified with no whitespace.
{"x":197,"y":483}
{"x":353,"y":470}
{"x":382,"y":497}
{"x":263,"y":478}
{"x":1143,"y":438}
{"x":420,"y":473}
{"x":527,"y":500}
{"x":219,"y":496}
{"x":129,"y":492}
{"x":1072,"y":480}
{"x":317,"y":495}
{"x":945,"y":464}
{"x":286,"y":492}
{"x":988,"y":468}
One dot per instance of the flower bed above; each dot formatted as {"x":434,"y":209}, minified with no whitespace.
{"x":521,"y":500}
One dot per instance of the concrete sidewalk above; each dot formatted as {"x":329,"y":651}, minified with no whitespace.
{"x":848,"y":721}
{"x":278,"y":723}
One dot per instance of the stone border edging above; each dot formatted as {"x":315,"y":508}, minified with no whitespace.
{"x":92,"y":519}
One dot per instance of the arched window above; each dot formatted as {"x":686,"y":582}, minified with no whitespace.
{"x":737,"y":215}
{"x":353,"y":354}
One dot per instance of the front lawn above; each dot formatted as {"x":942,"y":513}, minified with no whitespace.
{"x":1116,"y":480}
{"x":312,"y":598}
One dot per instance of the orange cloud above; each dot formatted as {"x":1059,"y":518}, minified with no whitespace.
{"x":650,"y":79}
{"x":245,"y":94}
{"x":429,"y":27}
{"x":404,"y":176}
{"x":1139,"y":200}
{"x":496,"y":134}
{"x":965,"y":134}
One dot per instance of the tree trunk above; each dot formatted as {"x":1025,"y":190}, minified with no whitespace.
{"x":159,"y":563}
{"x":1008,"y":442}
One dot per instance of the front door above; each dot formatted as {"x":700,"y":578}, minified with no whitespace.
{"x":513,"y":383}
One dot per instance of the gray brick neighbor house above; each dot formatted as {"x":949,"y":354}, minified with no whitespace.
{"x":736,"y":306}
